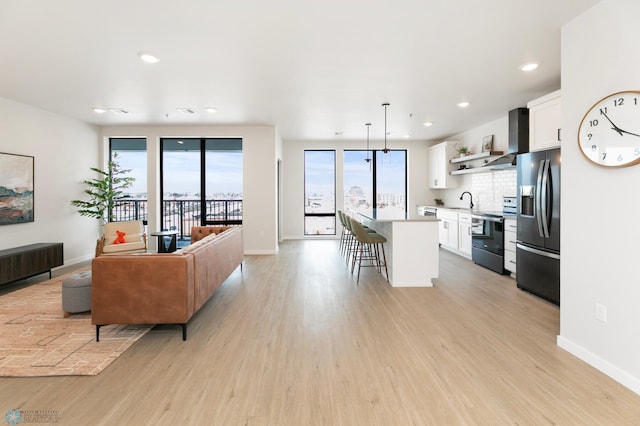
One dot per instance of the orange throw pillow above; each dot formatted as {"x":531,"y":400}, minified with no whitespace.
{"x":120,"y":238}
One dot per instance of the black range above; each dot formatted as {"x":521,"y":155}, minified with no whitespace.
{"x":487,"y":238}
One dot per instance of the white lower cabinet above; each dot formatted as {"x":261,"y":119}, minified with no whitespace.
{"x":448,"y":228}
{"x":510,"y":235}
{"x":464,"y":234}
{"x":455,"y":231}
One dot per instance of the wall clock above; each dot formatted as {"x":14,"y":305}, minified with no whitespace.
{"x":609,"y":133}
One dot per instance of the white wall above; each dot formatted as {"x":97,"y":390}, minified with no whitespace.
{"x":64,"y":149}
{"x":260,"y":147}
{"x":293,"y":182}
{"x":600,"y":232}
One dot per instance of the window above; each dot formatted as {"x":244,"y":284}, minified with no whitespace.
{"x":131,"y":155}
{"x":319,"y":192}
{"x":201,"y":183}
{"x":379,"y":184}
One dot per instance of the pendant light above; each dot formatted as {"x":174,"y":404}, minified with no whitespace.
{"x":368,"y":160}
{"x":385,"y":150}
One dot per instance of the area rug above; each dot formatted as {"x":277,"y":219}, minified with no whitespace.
{"x":36,"y":340}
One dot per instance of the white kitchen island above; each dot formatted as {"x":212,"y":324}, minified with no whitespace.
{"x":412,"y":249}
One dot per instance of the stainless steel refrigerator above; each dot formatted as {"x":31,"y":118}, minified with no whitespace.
{"x":538,"y":241}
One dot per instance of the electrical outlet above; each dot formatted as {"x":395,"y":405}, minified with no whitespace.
{"x":601,"y":312}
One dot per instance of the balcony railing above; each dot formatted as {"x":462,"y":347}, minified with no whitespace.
{"x":181,"y":215}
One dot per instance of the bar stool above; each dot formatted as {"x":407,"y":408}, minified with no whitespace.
{"x":345,"y":235}
{"x":368,"y":247}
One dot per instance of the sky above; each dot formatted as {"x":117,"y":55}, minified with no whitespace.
{"x":182,"y":171}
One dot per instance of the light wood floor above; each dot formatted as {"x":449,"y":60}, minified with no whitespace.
{"x":293,"y":341}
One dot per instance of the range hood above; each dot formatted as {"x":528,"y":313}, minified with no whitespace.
{"x":518,"y":138}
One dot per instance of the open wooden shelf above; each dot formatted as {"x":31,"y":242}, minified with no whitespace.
{"x":478,"y":156}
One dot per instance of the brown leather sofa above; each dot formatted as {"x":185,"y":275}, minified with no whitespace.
{"x":164,"y":288}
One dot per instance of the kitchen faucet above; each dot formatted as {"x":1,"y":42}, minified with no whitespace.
{"x":470,"y":198}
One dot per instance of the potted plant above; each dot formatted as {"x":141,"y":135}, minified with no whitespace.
{"x":462,"y":151}
{"x":103,"y":191}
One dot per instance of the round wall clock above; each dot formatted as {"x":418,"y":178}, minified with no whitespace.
{"x":609,"y":133}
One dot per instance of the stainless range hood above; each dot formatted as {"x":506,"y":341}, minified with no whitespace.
{"x":518,"y":138}
{"x":504,"y":160}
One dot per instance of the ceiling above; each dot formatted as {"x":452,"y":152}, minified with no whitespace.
{"x":315,"y":70}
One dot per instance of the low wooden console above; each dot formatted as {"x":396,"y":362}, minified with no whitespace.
{"x":27,"y":261}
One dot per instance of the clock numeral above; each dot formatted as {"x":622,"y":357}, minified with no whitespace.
{"x":593,"y":123}
{"x":635,"y":101}
{"x":594,"y":148}
{"x":603,"y":111}
{"x":636,"y":152}
{"x":604,"y":155}
{"x":618,"y":102}
{"x":589,"y":136}
{"x":620,"y":158}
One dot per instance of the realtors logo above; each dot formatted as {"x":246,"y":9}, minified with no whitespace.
{"x":14,"y":417}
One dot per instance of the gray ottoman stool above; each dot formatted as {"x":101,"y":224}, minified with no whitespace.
{"x":76,"y":293}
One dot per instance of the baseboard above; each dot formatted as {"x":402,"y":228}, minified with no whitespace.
{"x":600,"y":364}
{"x":71,"y":264}
{"x":260,"y":252}
{"x":311,"y":237}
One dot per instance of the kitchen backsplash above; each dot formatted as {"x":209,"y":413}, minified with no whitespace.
{"x":489,"y":188}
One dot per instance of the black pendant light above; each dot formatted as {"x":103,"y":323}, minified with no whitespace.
{"x":385,"y":150}
{"x":368,"y":160}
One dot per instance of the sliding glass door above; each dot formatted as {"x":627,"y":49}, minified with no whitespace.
{"x":201,"y":183}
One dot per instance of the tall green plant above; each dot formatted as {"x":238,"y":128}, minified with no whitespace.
{"x":103,"y":191}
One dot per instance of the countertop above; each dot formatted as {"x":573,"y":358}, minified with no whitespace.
{"x":412,"y":218}
{"x":459,"y":209}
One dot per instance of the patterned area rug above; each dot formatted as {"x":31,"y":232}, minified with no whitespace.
{"x":36,"y":340}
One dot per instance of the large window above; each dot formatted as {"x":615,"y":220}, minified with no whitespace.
{"x":319,"y":192}
{"x":131,"y":155}
{"x":201,"y":183}
{"x":380,"y":183}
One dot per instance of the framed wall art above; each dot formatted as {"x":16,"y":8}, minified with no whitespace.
{"x":487,"y":143}
{"x":16,"y":188}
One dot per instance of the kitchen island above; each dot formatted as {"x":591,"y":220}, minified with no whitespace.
{"x":411,"y":249}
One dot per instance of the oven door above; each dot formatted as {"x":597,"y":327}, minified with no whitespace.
{"x":487,"y":233}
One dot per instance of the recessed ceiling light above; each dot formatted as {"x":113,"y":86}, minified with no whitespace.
{"x":529,"y":67}
{"x":211,"y":110}
{"x":463,"y":104}
{"x":148,"y":57}
{"x":180,"y":142}
{"x":406,"y":136}
{"x":428,"y":124}
{"x":99,"y":110}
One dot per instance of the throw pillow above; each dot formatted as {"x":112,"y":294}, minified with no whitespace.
{"x":120,"y":238}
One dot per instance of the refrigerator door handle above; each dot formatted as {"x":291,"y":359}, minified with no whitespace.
{"x":544,"y":190}
{"x":539,"y":190}
{"x":538,"y":252}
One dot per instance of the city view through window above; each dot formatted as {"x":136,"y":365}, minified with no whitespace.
{"x":384,"y":175}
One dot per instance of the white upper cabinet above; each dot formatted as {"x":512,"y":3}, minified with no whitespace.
{"x":545,"y":120}
{"x":439,"y":166}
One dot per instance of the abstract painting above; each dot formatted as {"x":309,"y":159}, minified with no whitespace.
{"x":16,"y":188}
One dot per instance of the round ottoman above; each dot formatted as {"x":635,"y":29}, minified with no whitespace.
{"x":76,"y":293}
